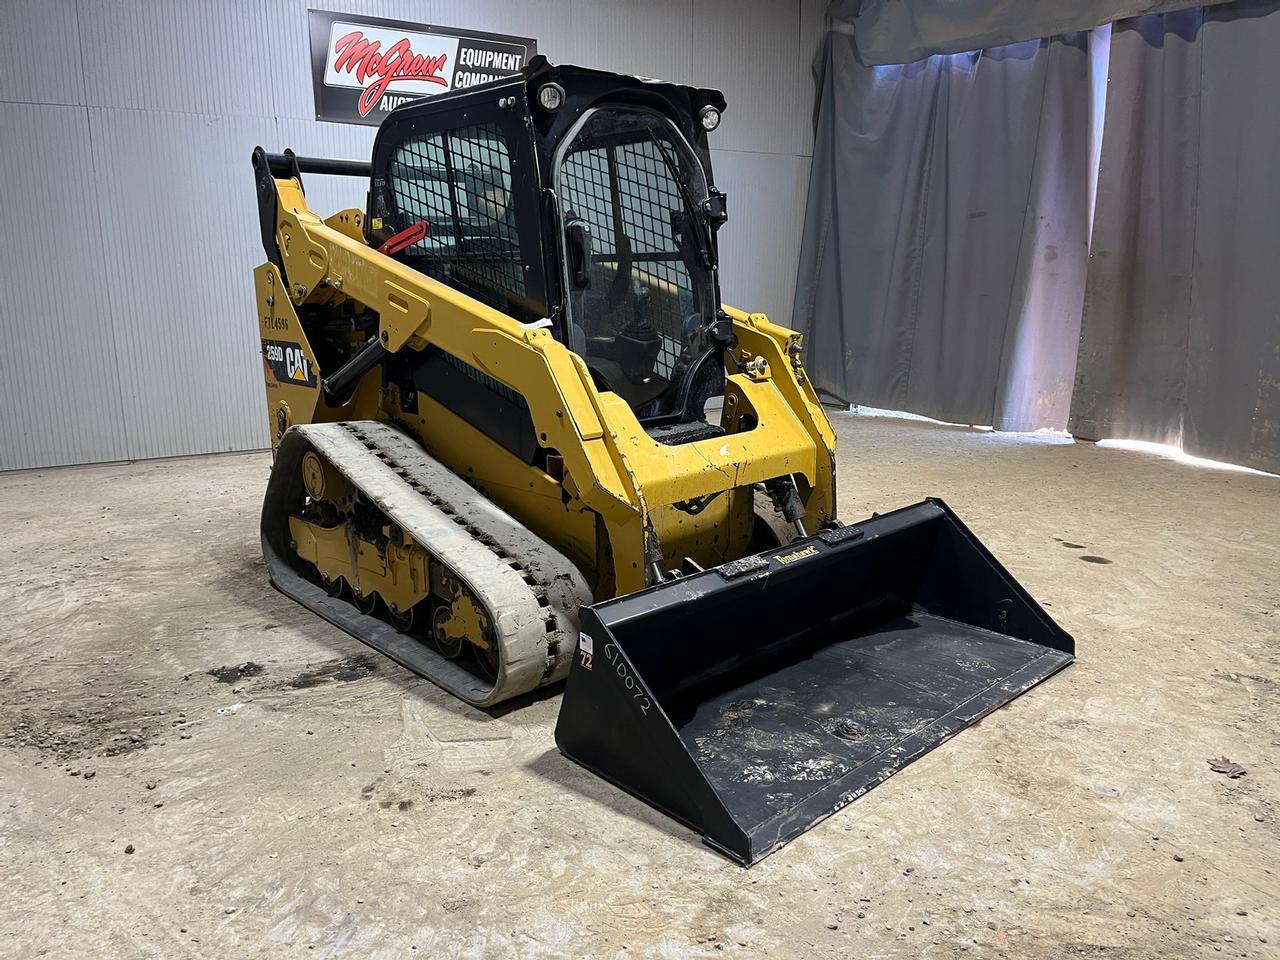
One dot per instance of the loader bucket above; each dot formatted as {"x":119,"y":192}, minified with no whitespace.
{"x":752,"y":700}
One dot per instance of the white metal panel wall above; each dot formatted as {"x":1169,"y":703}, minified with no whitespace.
{"x":310,"y":139}
{"x":181,"y":289}
{"x":59,"y":388}
{"x":128,"y":324}
{"x":760,"y":246}
{"x":763,"y":61}
{"x":37,"y":38}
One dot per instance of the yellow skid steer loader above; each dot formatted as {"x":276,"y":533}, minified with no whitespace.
{"x":519,"y":439}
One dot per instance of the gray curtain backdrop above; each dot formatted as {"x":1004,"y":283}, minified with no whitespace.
{"x":946,"y":233}
{"x":1180,"y":341}
{"x":901,"y":31}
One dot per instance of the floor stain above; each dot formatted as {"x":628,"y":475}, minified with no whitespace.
{"x":401,"y":805}
{"x":343,"y":671}
{"x":235,"y":674}
{"x":458,"y":793}
{"x":1090,"y":558}
{"x":90,"y":730}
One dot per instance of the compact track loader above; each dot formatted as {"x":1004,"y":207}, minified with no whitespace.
{"x":518,"y":438}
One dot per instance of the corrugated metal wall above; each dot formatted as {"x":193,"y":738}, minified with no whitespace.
{"x":127,"y":319}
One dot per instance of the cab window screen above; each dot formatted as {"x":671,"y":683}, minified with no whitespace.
{"x":626,"y":193}
{"x":459,"y":181}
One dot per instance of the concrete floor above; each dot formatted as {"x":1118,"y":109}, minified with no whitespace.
{"x":333,"y":805}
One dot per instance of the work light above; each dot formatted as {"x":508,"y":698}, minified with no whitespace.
{"x":550,"y":96}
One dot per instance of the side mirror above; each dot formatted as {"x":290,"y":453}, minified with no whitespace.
{"x":577,"y":242}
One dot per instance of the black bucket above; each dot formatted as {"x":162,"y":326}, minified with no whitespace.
{"x":755,"y":699}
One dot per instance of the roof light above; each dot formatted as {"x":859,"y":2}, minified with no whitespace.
{"x":709,"y":117}
{"x":550,"y":96}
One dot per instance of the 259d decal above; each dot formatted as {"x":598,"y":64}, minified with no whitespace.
{"x":288,"y":362}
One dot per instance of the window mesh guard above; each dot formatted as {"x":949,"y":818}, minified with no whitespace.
{"x":459,"y":181}
{"x":628,"y":196}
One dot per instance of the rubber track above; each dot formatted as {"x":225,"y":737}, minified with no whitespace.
{"x":530,"y":592}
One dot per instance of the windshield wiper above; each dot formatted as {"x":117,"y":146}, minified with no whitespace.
{"x":691,"y":208}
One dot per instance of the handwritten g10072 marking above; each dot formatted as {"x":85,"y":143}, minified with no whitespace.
{"x":615,"y":658}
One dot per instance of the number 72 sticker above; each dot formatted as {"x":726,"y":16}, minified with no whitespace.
{"x":586,"y":650}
